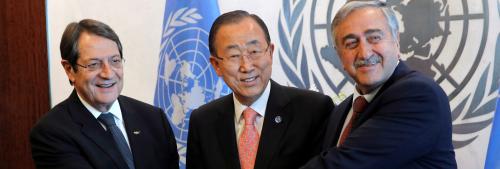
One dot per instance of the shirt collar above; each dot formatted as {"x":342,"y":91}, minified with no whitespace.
{"x":259,"y":105}
{"x":369,"y":97}
{"x":114,"y":109}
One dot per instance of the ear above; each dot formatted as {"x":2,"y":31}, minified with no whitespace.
{"x":216,"y":64}
{"x":398,"y":45}
{"x":271,"y":49}
{"x":70,"y":72}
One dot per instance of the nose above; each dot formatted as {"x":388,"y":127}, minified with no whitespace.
{"x":106,"y":71}
{"x":364,"y":50}
{"x":246,"y":64}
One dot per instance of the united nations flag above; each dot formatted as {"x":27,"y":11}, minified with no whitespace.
{"x":185,"y":77}
{"x":493,"y":156}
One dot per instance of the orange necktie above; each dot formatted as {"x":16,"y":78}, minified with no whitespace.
{"x":249,"y":140}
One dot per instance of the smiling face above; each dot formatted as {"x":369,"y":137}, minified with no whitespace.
{"x":368,"y":51}
{"x":100,"y":88}
{"x":249,"y":73}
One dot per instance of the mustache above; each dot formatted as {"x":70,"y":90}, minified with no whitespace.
{"x":373,"y":59}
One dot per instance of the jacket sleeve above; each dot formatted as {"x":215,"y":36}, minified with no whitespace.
{"x":52,"y":149}
{"x":173,"y":155}
{"x":405,"y":125}
{"x":193,"y":156}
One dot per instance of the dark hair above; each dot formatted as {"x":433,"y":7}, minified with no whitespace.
{"x":69,"y":40}
{"x":233,"y":17}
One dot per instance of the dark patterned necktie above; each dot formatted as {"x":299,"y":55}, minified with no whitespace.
{"x":108,"y":120}
{"x":358,"y":107}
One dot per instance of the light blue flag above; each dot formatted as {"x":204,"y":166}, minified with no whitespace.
{"x":186,"y":79}
{"x":493,"y":156}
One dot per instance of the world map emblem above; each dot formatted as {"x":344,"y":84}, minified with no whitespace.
{"x":445,"y":40}
{"x":186,"y":79}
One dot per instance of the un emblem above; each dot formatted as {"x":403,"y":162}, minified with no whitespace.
{"x":444,"y":40}
{"x":185,"y":77}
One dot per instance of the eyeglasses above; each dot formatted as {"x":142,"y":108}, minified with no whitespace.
{"x":235,"y":55}
{"x":115,"y":62}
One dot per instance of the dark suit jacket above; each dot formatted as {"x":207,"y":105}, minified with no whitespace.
{"x":70,"y":137}
{"x":289,"y":144}
{"x":406,"y":125}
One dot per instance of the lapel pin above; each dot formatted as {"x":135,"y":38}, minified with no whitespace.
{"x":137,"y":132}
{"x":278,"y":119}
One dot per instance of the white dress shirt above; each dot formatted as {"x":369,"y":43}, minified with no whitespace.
{"x":115,"y":110}
{"x":259,"y":106}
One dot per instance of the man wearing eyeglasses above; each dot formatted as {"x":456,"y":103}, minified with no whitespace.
{"x":96,"y":127}
{"x":262,"y":124}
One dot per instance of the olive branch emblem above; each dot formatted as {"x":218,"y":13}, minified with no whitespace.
{"x":475,"y":110}
{"x":180,"y":18}
{"x":293,"y":57}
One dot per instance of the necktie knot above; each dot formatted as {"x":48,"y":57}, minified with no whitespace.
{"x":107,"y":119}
{"x":249,"y":115}
{"x":360,"y":104}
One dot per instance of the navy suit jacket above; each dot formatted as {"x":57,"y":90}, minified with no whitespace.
{"x":283,"y":145}
{"x":406,"y":125}
{"x":68,"y":136}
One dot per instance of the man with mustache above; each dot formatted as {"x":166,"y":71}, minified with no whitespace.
{"x":397,"y":118}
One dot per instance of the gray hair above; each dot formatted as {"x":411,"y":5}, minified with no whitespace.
{"x":353,"y":5}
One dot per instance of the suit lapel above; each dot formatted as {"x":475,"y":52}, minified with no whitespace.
{"x":336,"y":123}
{"x":400,"y":71}
{"x":226,"y":133}
{"x":137,"y":134}
{"x":272,"y":132}
{"x":93,"y":130}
